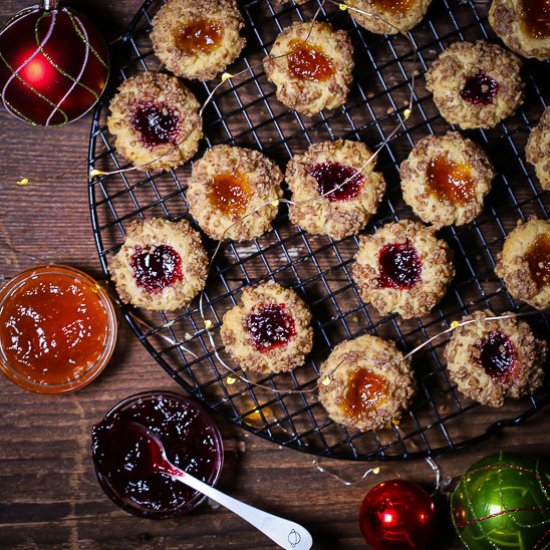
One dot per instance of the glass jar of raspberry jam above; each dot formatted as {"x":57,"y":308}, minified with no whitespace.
{"x":58,"y":329}
{"x":190,"y":438}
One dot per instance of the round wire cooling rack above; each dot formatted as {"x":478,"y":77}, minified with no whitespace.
{"x":245,"y":112}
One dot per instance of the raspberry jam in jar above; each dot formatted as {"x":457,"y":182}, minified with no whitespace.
{"x":58,"y":329}
{"x":307,"y":62}
{"x":192,"y":442}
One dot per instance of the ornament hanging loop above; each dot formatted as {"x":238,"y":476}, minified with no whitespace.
{"x":50,"y":4}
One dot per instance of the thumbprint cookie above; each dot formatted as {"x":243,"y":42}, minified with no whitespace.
{"x":270,"y":332}
{"x":523,"y":25}
{"x":445,"y":179}
{"x":155,"y":120}
{"x":335,"y":189}
{"x":366,"y":383}
{"x":388,"y":16}
{"x":162,"y":265}
{"x":537,"y":150}
{"x":311,"y":65}
{"x":403,"y":268}
{"x":198,"y":40}
{"x":233,"y":193}
{"x":490,"y":360}
{"x":524,"y":263}
{"x":476,"y":85}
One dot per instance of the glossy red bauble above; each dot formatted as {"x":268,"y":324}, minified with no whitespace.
{"x":397,"y":515}
{"x":54,"y":65}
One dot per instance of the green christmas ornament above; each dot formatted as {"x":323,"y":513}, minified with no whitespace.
{"x":503,"y":503}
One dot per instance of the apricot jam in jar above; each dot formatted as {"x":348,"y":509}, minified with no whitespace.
{"x":57,"y":329}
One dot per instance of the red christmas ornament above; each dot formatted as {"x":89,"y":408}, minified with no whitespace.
{"x":54,"y":65}
{"x":397,"y":515}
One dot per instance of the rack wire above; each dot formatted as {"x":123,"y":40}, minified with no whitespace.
{"x":245,"y":112}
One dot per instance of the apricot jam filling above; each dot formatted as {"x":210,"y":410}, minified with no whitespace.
{"x":366,"y":391}
{"x":307,"y":62}
{"x":535,"y":15}
{"x":201,"y":36}
{"x":450,"y":181}
{"x":538,"y":259}
{"x":230,"y":194}
{"x":394,"y":7}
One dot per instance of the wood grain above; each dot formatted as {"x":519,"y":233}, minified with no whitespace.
{"x":49,"y":497}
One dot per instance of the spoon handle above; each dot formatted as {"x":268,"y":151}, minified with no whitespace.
{"x":286,"y":534}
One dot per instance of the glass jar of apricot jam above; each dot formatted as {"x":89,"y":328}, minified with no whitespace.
{"x":58,"y":329}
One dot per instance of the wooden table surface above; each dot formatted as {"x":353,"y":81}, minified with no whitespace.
{"x":49,"y":497}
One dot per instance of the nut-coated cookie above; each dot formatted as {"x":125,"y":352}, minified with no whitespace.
{"x":335,"y":186}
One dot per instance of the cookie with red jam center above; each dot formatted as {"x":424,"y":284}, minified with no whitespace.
{"x":403,"y":268}
{"x":161,"y":265}
{"x":335,"y":189}
{"x":491,"y":360}
{"x":476,"y":84}
{"x":155,"y":120}
{"x":270,"y":332}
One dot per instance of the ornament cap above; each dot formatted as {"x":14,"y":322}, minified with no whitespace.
{"x":50,"y":4}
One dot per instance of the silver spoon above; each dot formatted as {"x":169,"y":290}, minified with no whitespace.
{"x":286,"y":534}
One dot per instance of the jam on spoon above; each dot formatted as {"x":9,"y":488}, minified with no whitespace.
{"x":399,"y":266}
{"x":270,"y":326}
{"x":156,"y":122}
{"x":157,"y":268}
{"x":336,"y":181}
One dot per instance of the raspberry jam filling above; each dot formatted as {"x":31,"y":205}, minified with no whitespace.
{"x":270,"y":326}
{"x":450,"y":181}
{"x":535,"y":16}
{"x":122,"y":455}
{"x":230,"y":194}
{"x":480,"y":89}
{"x":156,"y":269}
{"x":156,"y":122}
{"x":399,"y":266}
{"x":331,"y":175}
{"x":307,"y":62}
{"x":498,"y":355}
{"x":538,"y":259}
{"x":201,"y":36}
{"x":366,"y":391}
{"x":394,"y":7}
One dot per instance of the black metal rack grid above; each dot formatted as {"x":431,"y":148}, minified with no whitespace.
{"x":245,"y":112}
